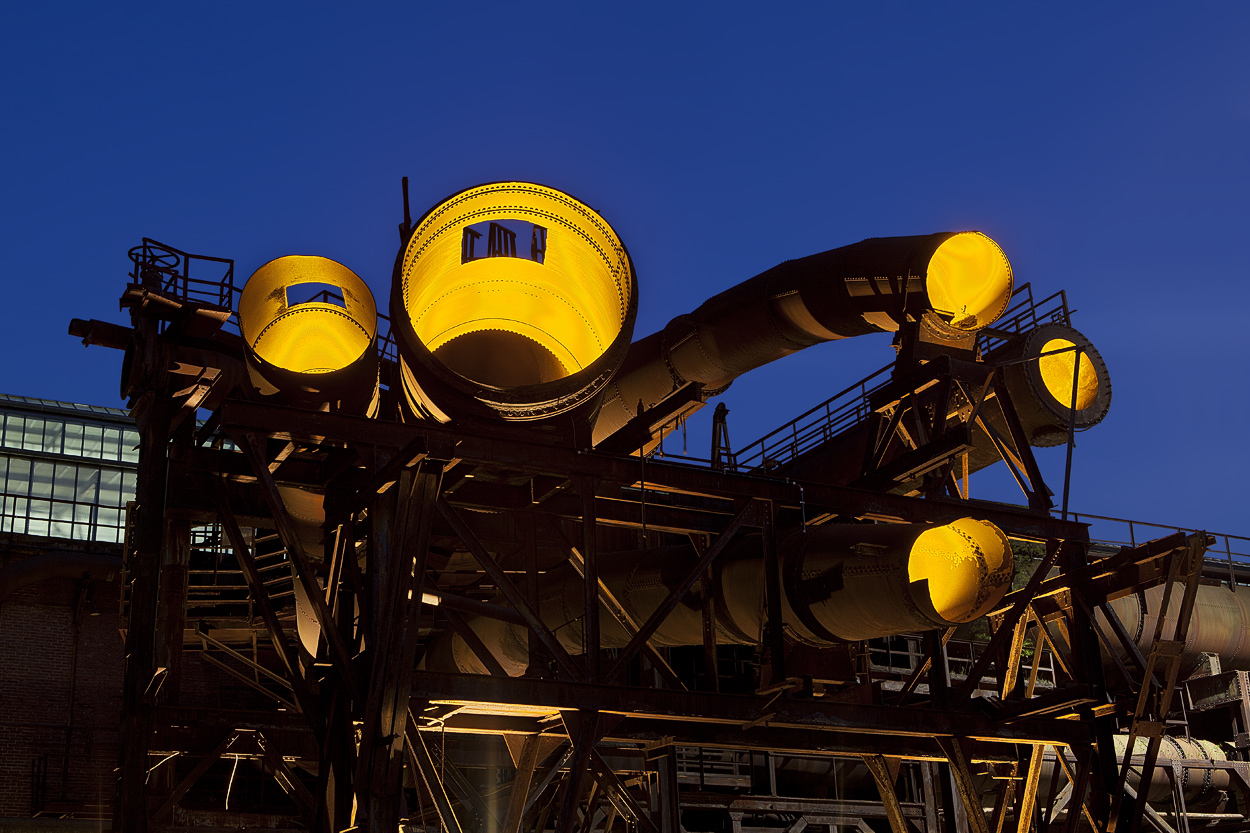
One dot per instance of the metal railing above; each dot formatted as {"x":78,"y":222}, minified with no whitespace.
{"x":901,"y":654}
{"x":1023,"y":315}
{"x":200,"y":278}
{"x":849,"y":407}
{"x":811,"y":429}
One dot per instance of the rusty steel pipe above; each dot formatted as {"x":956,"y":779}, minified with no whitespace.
{"x":1219,"y":624}
{"x":841,"y":582}
{"x":953,"y":283}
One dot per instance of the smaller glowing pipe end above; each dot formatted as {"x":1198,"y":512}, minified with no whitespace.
{"x":967,"y":565}
{"x":969,"y":279}
{"x":1057,"y":357}
{"x":316,"y":336}
{"x":1057,"y":365}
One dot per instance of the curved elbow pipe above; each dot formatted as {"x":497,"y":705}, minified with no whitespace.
{"x":841,"y":582}
{"x":953,"y":283}
{"x":497,"y":328}
{"x":316,"y":353}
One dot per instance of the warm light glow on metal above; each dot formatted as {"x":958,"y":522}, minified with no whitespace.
{"x":958,"y":560}
{"x":1058,"y":373}
{"x":508,"y":321}
{"x":314,"y":337}
{"x":1041,"y":385}
{"x":969,"y":278}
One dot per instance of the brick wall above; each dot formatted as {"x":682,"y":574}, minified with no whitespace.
{"x":60,"y":695}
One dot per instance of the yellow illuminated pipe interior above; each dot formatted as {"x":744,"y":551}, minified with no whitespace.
{"x":967,"y":566}
{"x":1058,"y":374}
{"x":312,"y":337}
{"x":512,"y":321}
{"x":969,"y":278}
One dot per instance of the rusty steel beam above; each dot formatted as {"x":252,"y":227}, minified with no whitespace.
{"x":738,"y":710}
{"x":679,"y":591}
{"x":518,"y":451}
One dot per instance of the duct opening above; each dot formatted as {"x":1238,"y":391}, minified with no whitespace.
{"x":329,"y":332}
{"x":957,"y":561}
{"x":969,"y":279}
{"x":1060,"y":372}
{"x":1041,"y":384}
{"x":507,"y":312}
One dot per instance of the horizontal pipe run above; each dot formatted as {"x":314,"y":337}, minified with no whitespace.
{"x":842,"y":582}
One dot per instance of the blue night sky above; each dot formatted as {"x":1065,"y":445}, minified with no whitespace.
{"x":1103,"y":145}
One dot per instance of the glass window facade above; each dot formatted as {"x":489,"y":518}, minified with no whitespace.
{"x":66,"y":471}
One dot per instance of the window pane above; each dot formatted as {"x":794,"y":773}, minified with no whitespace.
{"x":62,"y":514}
{"x":92,"y":441}
{"x":112,"y":444}
{"x":64,"y":481}
{"x":82,"y":513}
{"x":41,"y":480}
{"x":73,"y":438}
{"x":16,"y":508}
{"x":110,"y":487}
{"x":36,"y":526}
{"x":129,"y":479}
{"x":130,"y":446}
{"x":39,"y":509}
{"x":19,"y":478}
{"x":88,"y":485}
{"x":13,"y":428}
{"x":109,"y":517}
{"x":53,"y":437}
{"x":32,"y":438}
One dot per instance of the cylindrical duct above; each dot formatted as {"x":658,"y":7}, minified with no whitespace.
{"x":1219,"y":624}
{"x":511,"y":301}
{"x":1199,"y":785}
{"x":841,"y":582}
{"x":1041,"y":388}
{"x":954,"y":283}
{"x":310,"y":326}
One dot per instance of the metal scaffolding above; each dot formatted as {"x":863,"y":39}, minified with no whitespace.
{"x":428,"y":526}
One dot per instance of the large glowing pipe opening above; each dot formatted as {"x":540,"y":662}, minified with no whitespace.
{"x":958,"y":561}
{"x":307,"y":315}
{"x":969,"y":279}
{"x":516,"y":284}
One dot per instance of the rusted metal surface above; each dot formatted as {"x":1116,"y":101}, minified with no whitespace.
{"x":416,"y":529}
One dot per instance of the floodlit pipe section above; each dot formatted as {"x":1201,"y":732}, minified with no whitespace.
{"x":953,"y":283}
{"x":1204,"y":787}
{"x":511,"y":301}
{"x":851,"y":582}
{"x":1041,"y":387}
{"x":841,"y":582}
{"x":310,"y":326}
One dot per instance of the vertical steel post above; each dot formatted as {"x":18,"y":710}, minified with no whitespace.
{"x":590,"y":578}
